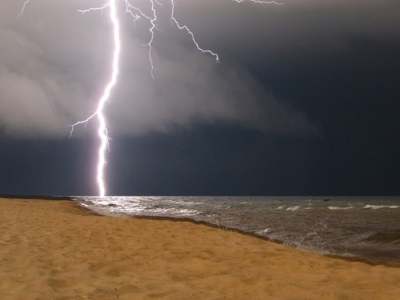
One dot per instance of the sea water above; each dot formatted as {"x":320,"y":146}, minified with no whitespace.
{"x":361,"y":227}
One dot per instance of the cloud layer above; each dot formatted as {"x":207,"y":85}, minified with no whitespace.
{"x":55,"y":61}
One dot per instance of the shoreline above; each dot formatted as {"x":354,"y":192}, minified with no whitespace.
{"x":60,"y":250}
{"x":187,"y":219}
{"x":256,"y":236}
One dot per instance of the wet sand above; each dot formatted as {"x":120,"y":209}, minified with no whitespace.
{"x":57,"y":250}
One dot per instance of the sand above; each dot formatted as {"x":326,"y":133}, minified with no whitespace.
{"x":57,"y":250}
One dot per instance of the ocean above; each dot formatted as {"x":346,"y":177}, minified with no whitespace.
{"x":366,"y":228}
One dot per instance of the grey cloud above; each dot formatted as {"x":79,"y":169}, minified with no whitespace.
{"x":54,"y":63}
{"x":205,"y":92}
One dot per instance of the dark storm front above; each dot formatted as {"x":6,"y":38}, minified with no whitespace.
{"x":362,"y":227}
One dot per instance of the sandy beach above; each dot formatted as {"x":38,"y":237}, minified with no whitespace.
{"x":57,"y":250}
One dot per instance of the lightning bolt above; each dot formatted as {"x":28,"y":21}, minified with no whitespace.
{"x":102,"y":130}
{"x":23,"y":9}
{"x":184,"y":27}
{"x":136,"y":14}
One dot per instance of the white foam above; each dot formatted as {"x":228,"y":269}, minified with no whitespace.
{"x":380,"y":206}
{"x":293,"y":208}
{"x":280,"y":207}
{"x":339,"y":208}
{"x":174,"y":211}
{"x":263,"y":232}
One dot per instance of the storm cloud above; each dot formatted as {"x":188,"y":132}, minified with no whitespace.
{"x":55,"y":62}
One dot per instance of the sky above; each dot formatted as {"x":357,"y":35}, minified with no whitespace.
{"x":304,"y":100}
